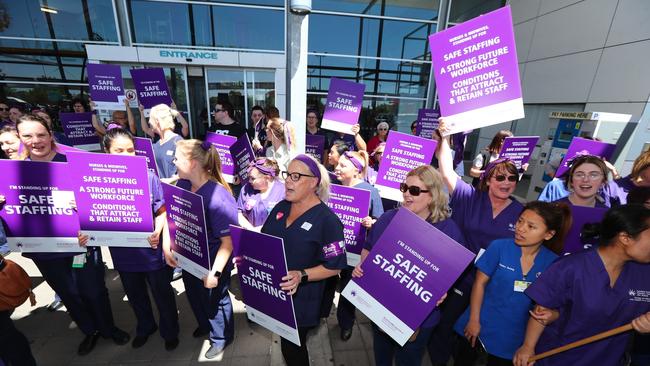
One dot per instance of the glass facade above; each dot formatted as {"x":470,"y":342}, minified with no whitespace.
{"x":381,"y":43}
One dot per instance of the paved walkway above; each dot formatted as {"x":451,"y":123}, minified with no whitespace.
{"x":54,"y":338}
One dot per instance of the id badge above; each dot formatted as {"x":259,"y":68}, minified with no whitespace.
{"x":521,"y":286}
{"x":78,"y":261}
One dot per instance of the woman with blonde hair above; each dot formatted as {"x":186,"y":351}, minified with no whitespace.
{"x":161,"y":119}
{"x":615,"y":192}
{"x":260,"y":194}
{"x":199,"y":171}
{"x":424,"y":196}
{"x":282,"y":135}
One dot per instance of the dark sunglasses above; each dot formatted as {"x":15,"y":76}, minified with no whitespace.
{"x":413,"y":190}
{"x":510,"y":178}
{"x":218,"y":110}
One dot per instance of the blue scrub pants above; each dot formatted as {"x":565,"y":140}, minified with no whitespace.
{"x":212,"y":308}
{"x":345,"y":313}
{"x":14,"y":346}
{"x":385,"y":348}
{"x":82,"y":290}
{"x":135,"y":286}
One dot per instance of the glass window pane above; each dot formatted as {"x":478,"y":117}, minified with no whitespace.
{"x":261,"y":88}
{"x":228,"y":85}
{"x":415,"y":9}
{"x":69,"y":18}
{"x":350,"y":36}
{"x":162,"y":23}
{"x":42,"y":60}
{"x":202,"y":25}
{"x":279,"y":3}
{"x":406,"y":40}
{"x":248,"y":28}
{"x":462,"y":10}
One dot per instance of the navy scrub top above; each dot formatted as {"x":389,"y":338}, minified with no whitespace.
{"x":307,"y":243}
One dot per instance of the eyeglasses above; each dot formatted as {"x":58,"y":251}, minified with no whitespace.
{"x":589,"y":176}
{"x":295,"y":176}
{"x":218,"y":110}
{"x":510,"y":178}
{"x":413,"y":190}
{"x":382,"y":129}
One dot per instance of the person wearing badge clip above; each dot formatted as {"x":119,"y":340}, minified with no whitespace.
{"x":498,"y":309}
{"x":161,"y":119}
{"x":262,"y":192}
{"x":593,"y":291}
{"x":144,"y":269}
{"x":483,"y":214}
{"x":424,"y":196}
{"x":80,"y":281}
{"x":314,"y":246}
{"x":199,"y":170}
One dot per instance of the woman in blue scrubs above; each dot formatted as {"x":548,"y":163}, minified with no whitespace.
{"x":313,"y":242}
{"x":484,"y":214}
{"x":144,"y":269}
{"x":498,"y":309}
{"x":162,"y":124}
{"x":199,"y":170}
{"x":593,"y":291}
{"x":424,"y":196}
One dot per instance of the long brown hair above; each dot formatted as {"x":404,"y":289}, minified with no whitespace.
{"x":206,"y":156}
{"x":497,"y":141}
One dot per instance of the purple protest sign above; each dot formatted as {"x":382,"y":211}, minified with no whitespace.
{"x":402,"y":154}
{"x":412,"y":263}
{"x":242,"y":154}
{"x":189,"y":238}
{"x":106,"y":86}
{"x":65,"y":149}
{"x":223,"y":143}
{"x":344,"y":101}
{"x":518,"y":149}
{"x":151,"y":86}
{"x":113,"y":198}
{"x":314,"y":146}
{"x":580,"y":146}
{"x":79,"y":130}
{"x":476,"y":72}
{"x":144,"y":148}
{"x":427,"y":122}
{"x":34,"y":222}
{"x":351,"y":205}
{"x":260,"y":272}
{"x":581,"y":216}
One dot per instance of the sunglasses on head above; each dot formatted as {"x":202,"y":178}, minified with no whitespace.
{"x":510,"y":178}
{"x":413,"y":190}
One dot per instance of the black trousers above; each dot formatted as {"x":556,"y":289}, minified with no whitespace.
{"x":294,"y":355}
{"x":14,"y":346}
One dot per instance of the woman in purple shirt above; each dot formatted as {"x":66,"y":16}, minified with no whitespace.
{"x":262,"y":192}
{"x":615,"y":192}
{"x":587,"y":175}
{"x":199,"y":170}
{"x":141,"y":266}
{"x":593,"y":291}
{"x":484,"y":214}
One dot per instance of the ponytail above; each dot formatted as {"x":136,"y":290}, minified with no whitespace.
{"x":630,"y":219}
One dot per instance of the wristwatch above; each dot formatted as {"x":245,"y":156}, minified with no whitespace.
{"x":217,"y":274}
{"x":304,"y":277}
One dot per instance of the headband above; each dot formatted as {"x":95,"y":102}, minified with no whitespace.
{"x":259,"y":165}
{"x":311,"y":164}
{"x":490,"y":167}
{"x":112,"y":126}
{"x":357,"y":164}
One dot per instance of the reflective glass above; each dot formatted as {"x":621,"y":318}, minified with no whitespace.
{"x":350,"y":36}
{"x":228,"y":85}
{"x":37,"y":60}
{"x":415,"y":9}
{"x":202,"y":23}
{"x":406,"y":40}
{"x":260,"y":86}
{"x":462,"y":10}
{"x":279,"y":3}
{"x":161,"y":23}
{"x":248,"y":28}
{"x":71,"y":19}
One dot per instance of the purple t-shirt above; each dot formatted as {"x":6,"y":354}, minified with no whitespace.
{"x":143,"y":259}
{"x":447,"y":226}
{"x":220,"y":211}
{"x":615,"y":192}
{"x":599,"y":203}
{"x":60,"y":158}
{"x":255,"y":208}
{"x":578,"y":286}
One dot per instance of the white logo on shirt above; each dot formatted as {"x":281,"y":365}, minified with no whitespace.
{"x":306,"y":226}
{"x":639,"y":295}
{"x":511,"y":227}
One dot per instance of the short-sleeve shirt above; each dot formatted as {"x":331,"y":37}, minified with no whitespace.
{"x":255,"y":208}
{"x":615,"y":192}
{"x":553,"y":191}
{"x":504,"y":311}
{"x":307,"y":243}
{"x":233,"y":129}
{"x":448,"y":227}
{"x":376,"y":208}
{"x":220,"y":212}
{"x":282,"y":156}
{"x":164,"y":155}
{"x":143,"y":259}
{"x":578,"y":286}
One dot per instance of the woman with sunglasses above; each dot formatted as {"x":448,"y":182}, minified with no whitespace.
{"x":144,"y":269}
{"x":381,"y":136}
{"x":424,"y":196}
{"x":282,"y":136}
{"x":314,"y":246}
{"x":350,"y":172}
{"x":498,"y":309}
{"x":262,"y":192}
{"x":82,"y":290}
{"x":593,"y":291}
{"x":484,"y":214}
{"x":199,"y":170}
